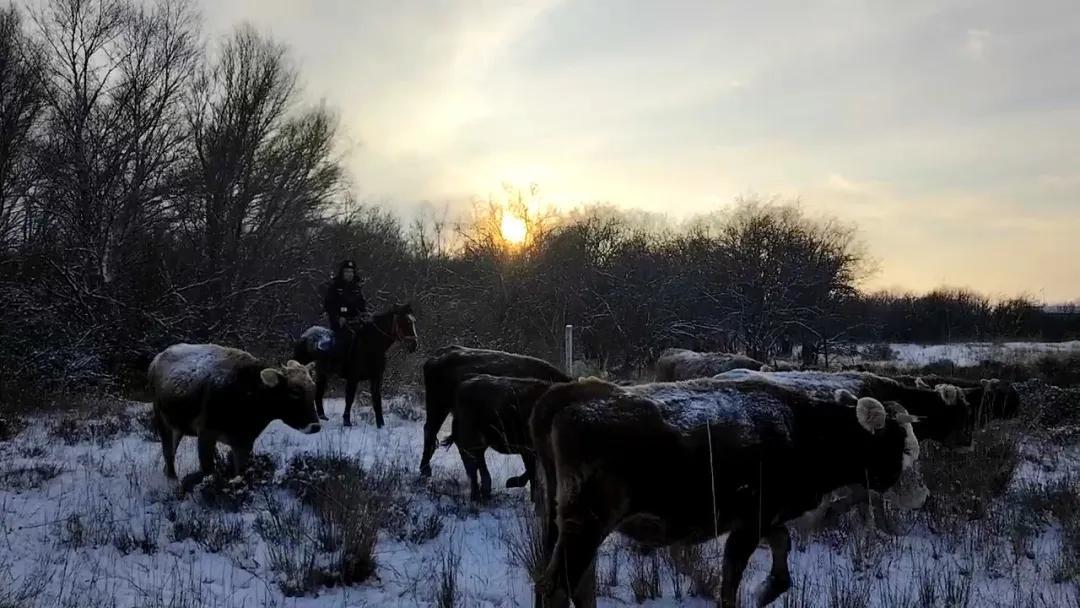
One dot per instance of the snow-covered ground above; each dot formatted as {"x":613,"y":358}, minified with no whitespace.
{"x":963,"y":354}
{"x":117,"y":484}
{"x":972,"y":353}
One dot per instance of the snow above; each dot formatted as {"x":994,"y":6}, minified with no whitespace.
{"x":969,"y":354}
{"x":120,"y":481}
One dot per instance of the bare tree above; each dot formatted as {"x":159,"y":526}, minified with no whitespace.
{"x":261,"y":177}
{"x":21,"y":104}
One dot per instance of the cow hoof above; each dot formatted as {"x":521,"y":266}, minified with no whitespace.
{"x":346,"y":422}
{"x":425,"y":470}
{"x":323,"y":417}
{"x":517,"y":482}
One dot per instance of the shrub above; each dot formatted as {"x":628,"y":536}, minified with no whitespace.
{"x":344,"y":506}
{"x":225,"y":490}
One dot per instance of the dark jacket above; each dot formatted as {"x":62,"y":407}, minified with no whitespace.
{"x":344,"y":301}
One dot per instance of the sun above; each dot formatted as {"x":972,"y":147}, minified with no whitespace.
{"x":513,"y":229}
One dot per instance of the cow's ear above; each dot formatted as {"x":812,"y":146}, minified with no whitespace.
{"x":845,"y":397}
{"x":310,"y":367}
{"x":871,"y":414}
{"x":270,"y":377}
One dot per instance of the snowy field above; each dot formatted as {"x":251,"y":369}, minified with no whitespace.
{"x":968,"y":354}
{"x":95,"y":523}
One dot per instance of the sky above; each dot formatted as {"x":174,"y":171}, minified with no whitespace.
{"x":946,"y":130}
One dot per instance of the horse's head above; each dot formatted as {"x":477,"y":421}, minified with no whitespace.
{"x":405,"y":326}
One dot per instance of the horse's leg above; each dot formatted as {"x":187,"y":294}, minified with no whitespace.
{"x":321,"y":380}
{"x":376,"y":397}
{"x":350,"y":395}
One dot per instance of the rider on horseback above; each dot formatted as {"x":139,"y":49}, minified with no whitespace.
{"x":345,"y":306}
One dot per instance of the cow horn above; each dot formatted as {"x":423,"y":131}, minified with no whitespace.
{"x":949,"y":394}
{"x":845,"y":397}
{"x":920,"y":383}
{"x":906,"y":418}
{"x":270,"y":377}
{"x":871,"y":414}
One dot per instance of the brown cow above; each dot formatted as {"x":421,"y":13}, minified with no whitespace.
{"x":493,"y":412}
{"x":682,"y":463}
{"x":682,"y":364}
{"x":224,"y":394}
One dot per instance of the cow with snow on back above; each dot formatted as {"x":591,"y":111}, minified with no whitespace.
{"x":216,"y":393}
{"x":682,"y":364}
{"x":742,"y":458}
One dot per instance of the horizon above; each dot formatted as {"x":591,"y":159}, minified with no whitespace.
{"x":934,"y":128}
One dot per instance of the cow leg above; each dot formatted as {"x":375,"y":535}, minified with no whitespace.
{"x":207,"y":452}
{"x":432,"y":424}
{"x":485,"y":475}
{"x":579,"y":538}
{"x":241,"y":456}
{"x":350,"y":395}
{"x":519,"y":481}
{"x":376,"y":398}
{"x":168,"y":445}
{"x":468,"y":459}
{"x":779,"y":579}
{"x":321,"y":380}
{"x":740,"y":545}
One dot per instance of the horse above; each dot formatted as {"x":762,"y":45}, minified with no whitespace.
{"x":366,"y":359}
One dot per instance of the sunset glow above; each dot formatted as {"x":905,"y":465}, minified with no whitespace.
{"x":513,"y":229}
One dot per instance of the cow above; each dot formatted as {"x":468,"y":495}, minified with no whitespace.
{"x":449,"y":366}
{"x":216,"y":393}
{"x":682,"y":364}
{"x":993,"y":399}
{"x":682,"y":463}
{"x":945,"y":412}
{"x":493,"y":412}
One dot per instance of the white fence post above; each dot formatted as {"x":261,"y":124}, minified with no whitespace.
{"x":568,"y":352}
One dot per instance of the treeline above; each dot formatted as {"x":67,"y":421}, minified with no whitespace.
{"x":154,"y":189}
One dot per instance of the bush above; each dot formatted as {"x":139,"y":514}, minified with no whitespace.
{"x":330,"y":537}
{"x":225,"y":490}
{"x":963,"y":485}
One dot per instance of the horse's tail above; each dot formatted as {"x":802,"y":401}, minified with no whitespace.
{"x":449,"y":441}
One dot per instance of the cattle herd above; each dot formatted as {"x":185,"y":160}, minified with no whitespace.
{"x":719,"y":444}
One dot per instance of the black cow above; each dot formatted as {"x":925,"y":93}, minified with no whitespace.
{"x":449,"y":366}
{"x":992,"y":399}
{"x":493,"y":412}
{"x":682,"y":463}
{"x":223,"y":394}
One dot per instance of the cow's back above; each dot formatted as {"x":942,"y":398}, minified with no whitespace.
{"x":184,"y":371}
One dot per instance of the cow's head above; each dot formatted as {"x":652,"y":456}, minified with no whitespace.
{"x":890,"y":451}
{"x":290,"y":392}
